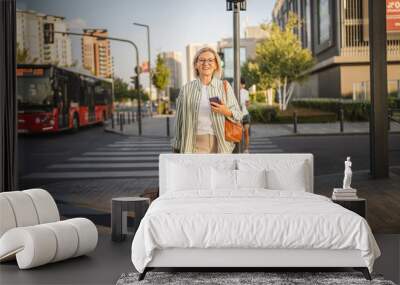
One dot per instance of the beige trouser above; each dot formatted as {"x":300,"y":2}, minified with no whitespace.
{"x":206,"y":144}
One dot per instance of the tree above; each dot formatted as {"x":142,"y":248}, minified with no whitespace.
{"x":160,"y":77}
{"x":23,"y":56}
{"x":251,"y":73}
{"x":134,"y":94}
{"x":121,"y":91}
{"x":282,"y":59}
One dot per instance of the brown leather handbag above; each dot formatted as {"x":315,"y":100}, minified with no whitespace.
{"x":233,"y":129}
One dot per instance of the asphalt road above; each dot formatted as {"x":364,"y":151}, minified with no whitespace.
{"x":36,"y":152}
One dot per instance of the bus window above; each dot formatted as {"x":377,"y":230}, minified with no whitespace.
{"x":34,"y":92}
{"x":99,"y":94}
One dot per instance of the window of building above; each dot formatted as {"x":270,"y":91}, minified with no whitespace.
{"x":323,"y":26}
{"x":324,"y":21}
{"x":307,"y":23}
{"x":228,"y":55}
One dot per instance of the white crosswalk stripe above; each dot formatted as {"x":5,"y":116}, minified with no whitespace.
{"x":263,"y":145}
{"x":119,"y":159}
{"x":127,"y":158}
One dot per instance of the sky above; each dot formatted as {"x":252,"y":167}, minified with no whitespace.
{"x":173,"y":24}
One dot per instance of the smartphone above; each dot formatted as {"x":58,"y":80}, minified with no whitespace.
{"x":215,"y":100}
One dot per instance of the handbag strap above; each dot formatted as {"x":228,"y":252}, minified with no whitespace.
{"x":226,"y":90}
{"x":225,"y":82}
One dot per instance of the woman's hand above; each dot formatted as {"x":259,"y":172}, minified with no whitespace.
{"x":221,"y":108}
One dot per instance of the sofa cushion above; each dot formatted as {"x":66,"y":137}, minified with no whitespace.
{"x":7,"y":218}
{"x":45,"y":205}
{"x":23,"y":208}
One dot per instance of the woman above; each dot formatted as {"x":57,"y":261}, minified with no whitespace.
{"x":199,"y":123}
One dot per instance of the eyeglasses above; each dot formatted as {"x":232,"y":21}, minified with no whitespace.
{"x":208,"y":61}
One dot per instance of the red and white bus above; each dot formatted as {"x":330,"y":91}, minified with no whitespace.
{"x":52,"y":98}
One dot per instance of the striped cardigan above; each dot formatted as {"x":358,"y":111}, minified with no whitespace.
{"x":187,"y":112}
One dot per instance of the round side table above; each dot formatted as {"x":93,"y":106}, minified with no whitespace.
{"x":122,"y":209}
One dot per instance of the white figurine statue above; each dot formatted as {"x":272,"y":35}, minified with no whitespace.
{"x":347,"y":174}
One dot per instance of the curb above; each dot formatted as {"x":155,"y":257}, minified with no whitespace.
{"x":320,"y":135}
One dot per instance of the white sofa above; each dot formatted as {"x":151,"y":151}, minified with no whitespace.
{"x":31,"y":230}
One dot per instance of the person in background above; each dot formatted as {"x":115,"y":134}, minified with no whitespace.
{"x":244,"y":103}
{"x":201,"y":108}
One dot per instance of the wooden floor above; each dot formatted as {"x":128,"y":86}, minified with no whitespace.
{"x":383,"y":198}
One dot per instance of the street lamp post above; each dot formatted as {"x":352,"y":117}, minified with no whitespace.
{"x":236,"y":6}
{"x":148,"y":53}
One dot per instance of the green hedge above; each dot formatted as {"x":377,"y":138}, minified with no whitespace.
{"x":258,"y":97}
{"x":394,"y":102}
{"x":353,"y":110}
{"x":261,"y":113}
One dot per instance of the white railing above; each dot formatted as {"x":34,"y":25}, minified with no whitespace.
{"x":355,"y":34}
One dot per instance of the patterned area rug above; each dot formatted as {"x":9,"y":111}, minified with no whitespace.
{"x":243,"y":278}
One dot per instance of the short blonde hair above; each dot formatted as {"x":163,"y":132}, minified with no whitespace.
{"x":218,"y":70}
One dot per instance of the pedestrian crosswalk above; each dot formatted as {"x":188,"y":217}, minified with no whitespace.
{"x":131,"y":157}
{"x":263,"y":145}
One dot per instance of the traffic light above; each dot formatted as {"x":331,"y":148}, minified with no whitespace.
{"x":138,"y":70}
{"x":134,"y":81}
{"x":48,"y":33}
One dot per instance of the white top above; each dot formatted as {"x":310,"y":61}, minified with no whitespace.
{"x":204,"y":123}
{"x":244,"y":96}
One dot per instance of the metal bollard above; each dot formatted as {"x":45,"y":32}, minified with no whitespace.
{"x":112,"y":120}
{"x":118,"y":113}
{"x":133,"y":117}
{"x":129,"y":118}
{"x":390,"y":115}
{"x":121,"y":125}
{"x":167,"y":126}
{"x":341,"y":119}
{"x":295,"y":122}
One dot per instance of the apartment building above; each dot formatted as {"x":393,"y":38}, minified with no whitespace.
{"x":337,"y":34}
{"x":30,"y":36}
{"x":173,"y":60}
{"x":96,"y":53}
{"x":252,"y":35}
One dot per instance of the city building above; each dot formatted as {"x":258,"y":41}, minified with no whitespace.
{"x":255,"y":32}
{"x":30,"y":36}
{"x":337,"y":34}
{"x":96,"y":53}
{"x":253,"y":35}
{"x":191,"y":50}
{"x":173,"y":61}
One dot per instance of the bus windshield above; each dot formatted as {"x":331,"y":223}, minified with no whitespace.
{"x":34,"y":91}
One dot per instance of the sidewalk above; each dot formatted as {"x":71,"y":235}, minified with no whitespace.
{"x":156,"y":126}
